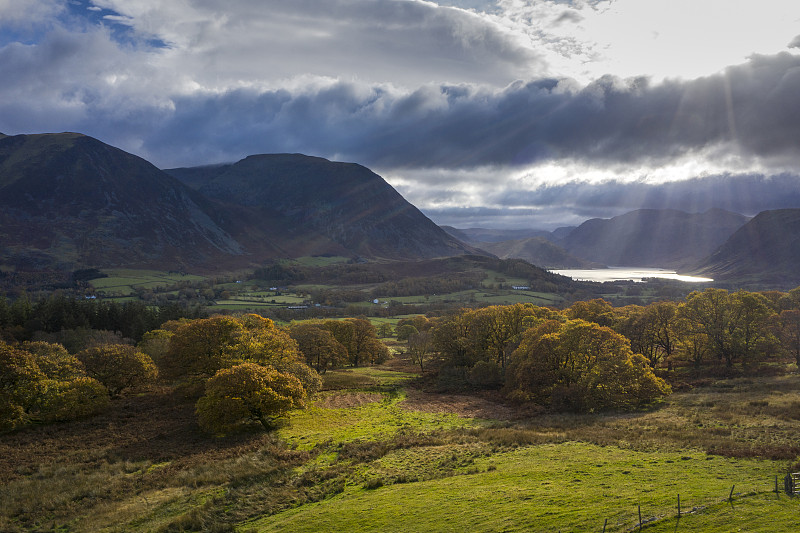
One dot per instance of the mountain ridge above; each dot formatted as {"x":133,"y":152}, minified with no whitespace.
{"x":346,"y":202}
{"x":70,"y":201}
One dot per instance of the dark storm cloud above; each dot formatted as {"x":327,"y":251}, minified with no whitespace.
{"x":751,"y":110}
{"x":142,"y":100}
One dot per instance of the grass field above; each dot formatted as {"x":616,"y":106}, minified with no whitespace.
{"x":318,"y":261}
{"x":550,"y":487}
{"x":483,"y":296}
{"x":123,"y":282}
{"x":376,"y":453}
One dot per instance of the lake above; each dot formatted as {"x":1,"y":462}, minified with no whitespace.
{"x":627,"y":273}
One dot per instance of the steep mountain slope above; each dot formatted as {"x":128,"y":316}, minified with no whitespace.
{"x":536,"y":250}
{"x":68,"y":200}
{"x":652,"y":237}
{"x":766,"y":249}
{"x":309,"y":198}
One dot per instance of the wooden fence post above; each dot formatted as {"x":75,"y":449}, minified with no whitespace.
{"x":679,"y":506}
{"x":640,"y":517}
{"x":730,"y":496}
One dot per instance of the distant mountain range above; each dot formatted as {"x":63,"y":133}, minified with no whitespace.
{"x":731,"y":248}
{"x":540,"y":251}
{"x":69,"y":201}
{"x":314,"y":205}
{"x":652,"y":237}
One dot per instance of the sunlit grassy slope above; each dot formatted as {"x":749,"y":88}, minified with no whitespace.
{"x":551,"y":487}
{"x":561,"y":484}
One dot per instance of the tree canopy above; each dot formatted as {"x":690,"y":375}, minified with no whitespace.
{"x":42,"y":382}
{"x":247,"y":392}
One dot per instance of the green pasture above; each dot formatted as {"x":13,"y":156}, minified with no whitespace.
{"x":483,"y":296}
{"x":494,"y":278}
{"x":362,"y":458}
{"x":124,"y":282}
{"x":373,"y":421}
{"x":320,"y":261}
{"x":553,"y":487}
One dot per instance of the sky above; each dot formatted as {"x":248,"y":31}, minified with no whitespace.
{"x":482,"y":113}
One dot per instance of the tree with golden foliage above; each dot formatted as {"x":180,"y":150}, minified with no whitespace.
{"x":200,"y":348}
{"x":581,"y":366}
{"x":42,"y":382}
{"x":247,"y":392}
{"x":360,"y":339}
{"x":20,"y":385}
{"x":118,"y":366}
{"x":320,"y":349}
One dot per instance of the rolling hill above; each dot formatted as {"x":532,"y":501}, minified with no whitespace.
{"x":483,"y":235}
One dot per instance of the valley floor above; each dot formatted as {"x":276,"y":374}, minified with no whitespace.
{"x":376,"y":453}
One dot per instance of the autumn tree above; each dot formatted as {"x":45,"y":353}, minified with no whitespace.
{"x":247,"y":392}
{"x":789,"y":332}
{"x":20,"y":385}
{"x":42,"y":382}
{"x":451,"y":339}
{"x":598,"y":311}
{"x":752,"y":336}
{"x":420,"y":346}
{"x":650,"y":329}
{"x":155,"y":343}
{"x":582,"y":366}
{"x":54,"y":360}
{"x":487,"y":334}
{"x":405,"y":331}
{"x":708,"y":315}
{"x":118,"y":366}
{"x":200,"y":348}
{"x":320,"y":349}
{"x":692,"y":344}
{"x":385,"y":330}
{"x":359,"y":338}
{"x":735,"y":326}
{"x":79,"y":397}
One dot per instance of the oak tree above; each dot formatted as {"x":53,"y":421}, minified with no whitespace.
{"x":118,"y":366}
{"x":247,"y":392}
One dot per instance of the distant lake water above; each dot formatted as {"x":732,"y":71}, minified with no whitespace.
{"x":627,"y":273}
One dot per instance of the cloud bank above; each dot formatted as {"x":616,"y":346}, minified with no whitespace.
{"x":453,"y":104}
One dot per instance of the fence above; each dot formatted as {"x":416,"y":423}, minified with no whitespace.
{"x":791,"y":484}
